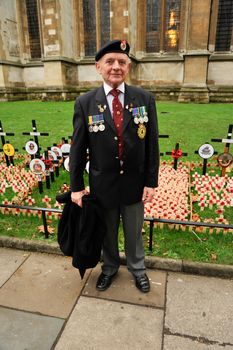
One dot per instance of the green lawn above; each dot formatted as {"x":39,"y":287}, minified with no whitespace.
{"x":193,"y":124}
{"x":52,"y":117}
{"x":189,"y":124}
{"x":175,"y":244}
{"x":204,"y":247}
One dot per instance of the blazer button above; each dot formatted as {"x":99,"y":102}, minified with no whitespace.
{"x":122,"y":172}
{"x":116,"y":138}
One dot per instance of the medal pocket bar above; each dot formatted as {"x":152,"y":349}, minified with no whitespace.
{"x":140,"y":117}
{"x":96,"y":123}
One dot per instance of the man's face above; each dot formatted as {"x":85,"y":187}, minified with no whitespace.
{"x":113,"y":67}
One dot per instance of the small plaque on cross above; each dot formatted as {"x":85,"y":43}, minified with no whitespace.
{"x":225,"y":159}
{"x":37,"y":166}
{"x":66,"y":164}
{"x":206,"y":151}
{"x":31,"y":147}
{"x":8,"y":149}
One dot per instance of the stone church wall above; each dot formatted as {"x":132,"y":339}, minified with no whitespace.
{"x":194,"y":73}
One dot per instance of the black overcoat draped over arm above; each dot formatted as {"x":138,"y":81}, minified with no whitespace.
{"x":81,"y":231}
{"x":110,"y":181}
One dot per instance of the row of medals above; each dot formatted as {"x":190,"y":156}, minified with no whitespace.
{"x":96,"y":123}
{"x":140,"y":117}
{"x":99,"y":126}
{"x":139,"y":114}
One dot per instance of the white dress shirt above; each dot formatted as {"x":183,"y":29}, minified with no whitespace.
{"x":108,"y":88}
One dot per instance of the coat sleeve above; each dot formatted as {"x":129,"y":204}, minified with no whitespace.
{"x":152,"y":146}
{"x":78,"y":151}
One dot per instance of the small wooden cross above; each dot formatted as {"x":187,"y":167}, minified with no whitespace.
{"x":47,"y":171}
{"x":227,"y":142}
{"x":176,"y":154}
{"x":36,"y":133}
{"x":205,"y":160}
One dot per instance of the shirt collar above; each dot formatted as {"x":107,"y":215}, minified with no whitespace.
{"x":108,"y":88}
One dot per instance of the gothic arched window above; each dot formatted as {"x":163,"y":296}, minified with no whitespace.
{"x":224,"y":26}
{"x":96,"y":19}
{"x":33,"y":28}
{"x":162,"y":25}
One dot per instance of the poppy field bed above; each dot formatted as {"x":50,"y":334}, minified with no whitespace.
{"x":183,"y":194}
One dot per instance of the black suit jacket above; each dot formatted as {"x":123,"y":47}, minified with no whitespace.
{"x":110,"y":182}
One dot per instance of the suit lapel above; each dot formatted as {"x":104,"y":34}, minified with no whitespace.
{"x":129,"y":102}
{"x":101,"y":100}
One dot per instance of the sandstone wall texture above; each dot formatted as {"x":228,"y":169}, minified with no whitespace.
{"x":47,"y":47}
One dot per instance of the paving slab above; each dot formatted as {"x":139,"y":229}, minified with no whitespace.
{"x":200,"y":307}
{"x":10,"y":260}
{"x":179,"y":343}
{"x":26,"y":331}
{"x":47,"y":284}
{"x":123,"y":288}
{"x":97,"y":324}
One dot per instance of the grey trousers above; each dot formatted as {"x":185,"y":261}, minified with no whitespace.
{"x":132,"y":219}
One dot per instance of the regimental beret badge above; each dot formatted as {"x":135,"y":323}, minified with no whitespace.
{"x":116,"y":45}
{"x":123,"y":45}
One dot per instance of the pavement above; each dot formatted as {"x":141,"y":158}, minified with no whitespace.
{"x":45,"y":305}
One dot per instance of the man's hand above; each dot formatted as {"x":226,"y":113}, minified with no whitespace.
{"x":148,"y":193}
{"x":76,"y":197}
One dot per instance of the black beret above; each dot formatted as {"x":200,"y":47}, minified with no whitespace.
{"x":120,"y":46}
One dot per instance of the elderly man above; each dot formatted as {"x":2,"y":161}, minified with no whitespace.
{"x":118,"y":124}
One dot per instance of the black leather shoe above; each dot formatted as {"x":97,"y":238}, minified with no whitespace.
{"x":104,"y":282}
{"x":142,"y":283}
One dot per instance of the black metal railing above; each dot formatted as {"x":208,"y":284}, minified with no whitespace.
{"x":151,"y":220}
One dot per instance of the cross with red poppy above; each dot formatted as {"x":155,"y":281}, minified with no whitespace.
{"x":176,"y":153}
